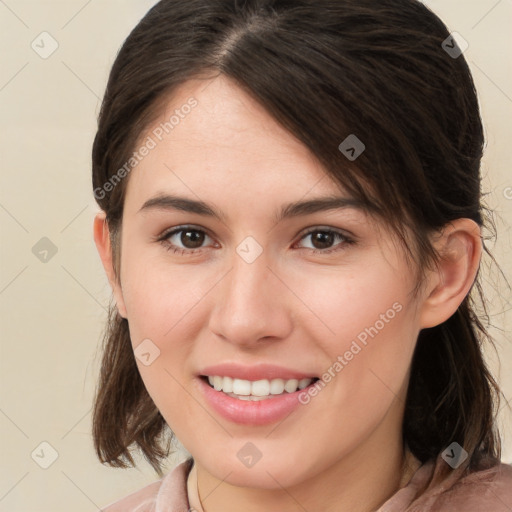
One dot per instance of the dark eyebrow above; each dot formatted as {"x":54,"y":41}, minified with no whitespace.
{"x":169,"y":202}
{"x":320,"y":204}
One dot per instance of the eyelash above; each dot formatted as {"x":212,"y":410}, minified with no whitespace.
{"x":164,"y":240}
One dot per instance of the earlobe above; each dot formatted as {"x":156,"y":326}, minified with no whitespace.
{"x":103,"y":245}
{"x":460,"y":250}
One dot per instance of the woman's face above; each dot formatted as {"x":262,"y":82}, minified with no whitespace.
{"x":253,"y":281}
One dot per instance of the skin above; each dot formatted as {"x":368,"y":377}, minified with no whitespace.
{"x":291,"y":306}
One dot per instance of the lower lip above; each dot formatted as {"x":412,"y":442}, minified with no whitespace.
{"x":247,"y":412}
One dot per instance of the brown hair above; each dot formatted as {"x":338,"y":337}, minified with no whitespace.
{"x":324,"y":69}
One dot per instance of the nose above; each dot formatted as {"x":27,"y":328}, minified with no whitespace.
{"x":251,"y":304}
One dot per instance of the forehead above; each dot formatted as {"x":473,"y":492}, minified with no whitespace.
{"x":211,"y":134}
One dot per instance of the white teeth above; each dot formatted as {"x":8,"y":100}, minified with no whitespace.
{"x":260,"y":388}
{"x":276,"y":386}
{"x":217,"y":383}
{"x":291,"y":385}
{"x":256,"y":390}
{"x":227,"y":385}
{"x":241,"y":387}
{"x":304,"y":383}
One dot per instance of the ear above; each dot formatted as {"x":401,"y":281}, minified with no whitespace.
{"x":460,"y":250}
{"x":102,"y":240}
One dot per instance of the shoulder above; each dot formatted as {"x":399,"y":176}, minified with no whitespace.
{"x":493,"y":485}
{"x":173,"y":485}
{"x":143,"y":500}
{"x":479,"y":491}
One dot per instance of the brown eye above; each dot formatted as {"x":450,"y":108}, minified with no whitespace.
{"x":322,"y":239}
{"x":192,"y":239}
{"x":325,"y":241}
{"x":185,"y":240}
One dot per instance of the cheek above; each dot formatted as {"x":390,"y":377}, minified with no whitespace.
{"x":165,"y":306}
{"x":159,"y":297}
{"x":367,"y":326}
{"x":349,"y":301}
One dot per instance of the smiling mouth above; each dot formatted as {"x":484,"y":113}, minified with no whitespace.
{"x":256,"y":390}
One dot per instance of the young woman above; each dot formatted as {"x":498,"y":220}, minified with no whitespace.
{"x":292,"y":225}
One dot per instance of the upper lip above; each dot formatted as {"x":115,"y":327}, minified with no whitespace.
{"x":254,"y":372}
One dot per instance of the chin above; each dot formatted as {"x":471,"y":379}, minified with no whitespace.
{"x":267,"y":473}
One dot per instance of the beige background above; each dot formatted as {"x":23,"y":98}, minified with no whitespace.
{"x":53,"y":313}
